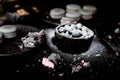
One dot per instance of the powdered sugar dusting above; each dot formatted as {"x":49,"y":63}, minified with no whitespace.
{"x":75,"y":31}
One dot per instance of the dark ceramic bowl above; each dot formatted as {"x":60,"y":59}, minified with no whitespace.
{"x":71,"y":45}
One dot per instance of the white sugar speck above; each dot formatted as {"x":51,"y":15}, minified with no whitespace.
{"x":97,"y":55}
{"x":109,"y":36}
{"x":117,"y":30}
{"x":17,"y":71}
{"x":117,"y":53}
{"x":53,"y":74}
{"x":109,"y":65}
{"x":33,"y":65}
{"x":21,"y":46}
{"x":26,"y":65}
{"x":61,"y":74}
{"x":39,"y":60}
{"x":76,"y":68}
{"x":86,"y":64}
{"x":113,"y":62}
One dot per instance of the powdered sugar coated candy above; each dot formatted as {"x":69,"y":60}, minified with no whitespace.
{"x":47,"y":63}
{"x":76,"y":31}
{"x":32,"y":39}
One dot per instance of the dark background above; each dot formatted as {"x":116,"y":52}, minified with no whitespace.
{"x":48,"y":4}
{"x":108,"y":10}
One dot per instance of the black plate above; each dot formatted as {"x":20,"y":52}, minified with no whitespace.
{"x":98,"y":48}
{"x":114,"y":43}
{"x":100,"y":55}
{"x":46,"y":18}
{"x":11,"y":47}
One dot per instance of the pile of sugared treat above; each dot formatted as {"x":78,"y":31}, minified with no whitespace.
{"x":31,"y":40}
{"x":73,"y":13}
{"x":75,"y":31}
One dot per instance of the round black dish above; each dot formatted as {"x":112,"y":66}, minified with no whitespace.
{"x":12,"y":56}
{"x":98,"y":46}
{"x":10,"y":47}
{"x":72,"y":45}
{"x":101,"y":58}
{"x":46,"y":18}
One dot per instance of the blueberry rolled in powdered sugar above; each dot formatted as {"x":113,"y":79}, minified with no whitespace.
{"x":62,"y":29}
{"x":76,"y":33}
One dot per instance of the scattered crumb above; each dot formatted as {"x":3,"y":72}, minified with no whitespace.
{"x":22,"y":12}
{"x":47,"y":63}
{"x":35,"y":9}
{"x":17,"y":5}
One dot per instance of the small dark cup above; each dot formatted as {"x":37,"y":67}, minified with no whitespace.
{"x":71,"y":45}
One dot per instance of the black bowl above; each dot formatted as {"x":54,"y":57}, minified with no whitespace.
{"x":71,"y":45}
